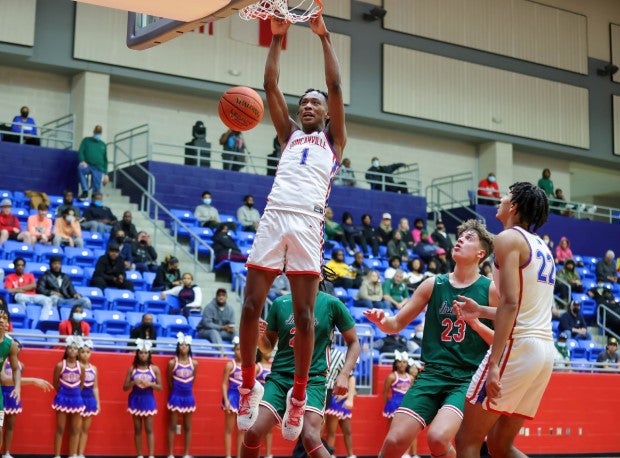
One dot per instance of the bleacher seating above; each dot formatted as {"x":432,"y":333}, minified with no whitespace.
{"x":19,"y":318}
{"x":83,"y":257}
{"x":152,"y":302}
{"x":121,"y":300}
{"x":97,"y":299}
{"x":171,"y":324}
{"x":111,"y":322}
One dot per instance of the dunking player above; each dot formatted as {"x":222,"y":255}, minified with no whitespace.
{"x":451,"y":347}
{"x":290,"y":232}
{"x":511,"y":380}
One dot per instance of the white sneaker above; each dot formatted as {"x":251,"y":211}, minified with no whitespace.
{"x":170,"y":456}
{"x":7,"y":455}
{"x":248,"y":406}
{"x":293,"y":420}
{"x":406,"y":455}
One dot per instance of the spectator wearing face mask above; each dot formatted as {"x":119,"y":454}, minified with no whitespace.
{"x":145,"y":330}
{"x":143,"y":254}
{"x":488,"y":190}
{"x":98,"y":217}
{"x":247,"y":215}
{"x":206,"y":214}
{"x":93,"y":159}
{"x":26,"y":125}
{"x":75,"y":324}
{"x":67,"y":230}
{"x":574,"y":322}
{"x":380,"y":178}
{"x":126,"y":225}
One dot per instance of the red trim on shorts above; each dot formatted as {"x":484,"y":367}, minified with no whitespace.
{"x":412,"y":414}
{"x":265,"y":269}
{"x":509,"y":414}
{"x":303,"y":272}
{"x":273,"y":411}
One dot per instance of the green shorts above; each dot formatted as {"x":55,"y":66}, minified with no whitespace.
{"x":430,"y":392}
{"x":277,"y":385}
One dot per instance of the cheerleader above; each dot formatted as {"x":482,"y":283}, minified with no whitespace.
{"x":142,"y":378}
{"x":181,"y":374}
{"x":231,"y":382}
{"x":263,"y":369}
{"x":68,"y":403}
{"x":339,"y":413}
{"x":13,"y":407}
{"x":90,"y":393}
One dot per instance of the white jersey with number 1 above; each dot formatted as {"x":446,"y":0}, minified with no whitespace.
{"x":304,"y":175}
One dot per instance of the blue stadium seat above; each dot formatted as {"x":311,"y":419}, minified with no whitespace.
{"x":358,"y":314}
{"x":152,"y":302}
{"x":39,"y":336}
{"x":13,"y":249}
{"x":95,"y":239}
{"x":238,"y":271}
{"x":133,"y":318}
{"x":136,"y":278}
{"x":6,"y":194}
{"x":22,"y":214}
{"x":19,"y":318}
{"x":148,"y":277}
{"x":121,"y":300}
{"x":171,"y":324}
{"x":343,"y":295}
{"x":51,"y":322}
{"x":169,"y":344}
{"x":97,"y":299}
{"x":173,"y":303}
{"x":7,"y":266}
{"x":83,"y":257}
{"x":76,"y":273}
{"x":37,"y":268}
{"x":102,"y":344}
{"x":226,"y":218}
{"x":245,"y":238}
{"x":111,"y":321}
{"x":187,"y":218}
{"x":44,"y":252}
{"x":203,"y":233}
{"x":52,"y":336}
{"x":193,"y":321}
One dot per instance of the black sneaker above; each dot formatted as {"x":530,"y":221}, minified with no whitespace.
{"x":83,"y":196}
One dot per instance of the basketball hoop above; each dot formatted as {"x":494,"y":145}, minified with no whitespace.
{"x":266,"y":9}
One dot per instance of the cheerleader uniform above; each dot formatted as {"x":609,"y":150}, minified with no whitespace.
{"x":181,"y":397}
{"x":234,"y":382}
{"x":263,"y":372}
{"x":69,"y":396}
{"x":399,"y":388}
{"x":142,"y":400}
{"x":11,"y":407}
{"x":90,"y":402}
{"x":336,"y":408}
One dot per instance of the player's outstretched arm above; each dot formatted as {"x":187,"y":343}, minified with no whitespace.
{"x":17,"y":371}
{"x":276,"y":102}
{"x":335,"y":102}
{"x":38,"y":382}
{"x":413,"y":307}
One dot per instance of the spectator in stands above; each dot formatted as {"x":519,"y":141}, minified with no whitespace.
{"x":10,"y":228}
{"x":441,"y":258}
{"x":563,"y":251}
{"x":67,"y":202}
{"x":352,"y":234}
{"x":198,"y":149}
{"x":488,"y":190}
{"x":145,"y":330}
{"x":110,"y":270}
{"x":545,"y":238}
{"x":359,"y":267}
{"x":558,"y":204}
{"x":143,"y":254}
{"x":486,"y":269}
{"x":432,"y":268}
{"x":206,"y":214}
{"x":396,"y":247}
{"x":370,"y":234}
{"x":67,"y":230}
{"x":546,"y":184}
{"x":562,"y":353}
{"x":370,"y":294}
{"x":385,"y":232}
{"x":416,"y":273}
{"x":394,"y":262}
{"x":405,"y":232}
{"x":280,"y":287}
{"x":573,"y":321}
{"x":23,"y":123}
{"x":610,"y":354}
{"x":332,"y":230}
{"x":345,"y":176}
{"x":97,"y":217}
{"x":126,"y":225}
{"x":345,"y":276}
{"x":189,"y":295}
{"x":225,"y":247}
{"x":124,"y":246}
{"x":167,"y":275}
{"x":40,"y":225}
{"x":23,"y":286}
{"x":418,"y":228}
{"x":570,"y":276}
{"x":395,"y":290}
{"x":380,"y":177}
{"x":218,"y":320}
{"x":75,"y":324}
{"x":442,"y":239}
{"x":425,"y":248}
{"x":247,"y":215}
{"x":93,"y":158}
{"x":58,"y":286}
{"x":273,"y":159}
{"x":234,"y":150}
{"x":605,"y":268}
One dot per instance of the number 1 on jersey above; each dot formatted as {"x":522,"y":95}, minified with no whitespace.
{"x":304,"y":156}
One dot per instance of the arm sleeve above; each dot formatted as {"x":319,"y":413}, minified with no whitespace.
{"x":173,"y":291}
{"x":197,"y":297}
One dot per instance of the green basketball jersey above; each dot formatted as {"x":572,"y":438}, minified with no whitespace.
{"x":5,"y":348}
{"x":329,"y":311}
{"x":447,"y":342}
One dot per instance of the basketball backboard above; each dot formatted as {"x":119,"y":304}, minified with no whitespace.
{"x":152,"y":22}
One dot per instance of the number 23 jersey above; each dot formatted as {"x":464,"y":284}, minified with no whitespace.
{"x":304,"y":175}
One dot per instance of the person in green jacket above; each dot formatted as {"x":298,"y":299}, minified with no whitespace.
{"x":93,"y":159}
{"x":546,"y":184}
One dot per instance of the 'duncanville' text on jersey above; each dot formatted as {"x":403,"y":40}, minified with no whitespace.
{"x":304,"y":175}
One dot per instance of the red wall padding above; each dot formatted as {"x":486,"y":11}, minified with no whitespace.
{"x":585,"y":404}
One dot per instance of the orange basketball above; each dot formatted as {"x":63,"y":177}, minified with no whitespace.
{"x":241,"y":108}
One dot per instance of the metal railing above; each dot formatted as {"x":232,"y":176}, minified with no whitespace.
{"x":451,"y":192}
{"x":58,"y":133}
{"x":603,"y":313}
{"x":131,"y":147}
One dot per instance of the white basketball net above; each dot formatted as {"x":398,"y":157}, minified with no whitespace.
{"x":266,"y":9}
